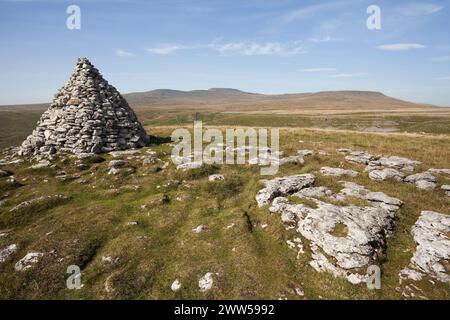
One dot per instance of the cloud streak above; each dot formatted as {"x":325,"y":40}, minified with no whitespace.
{"x":318,"y":70}
{"x":324,"y":39}
{"x":166,"y":49}
{"x":348,"y":75}
{"x":440,"y":59}
{"x":242,"y":48}
{"x":255,"y":49}
{"x":124,"y":54}
{"x":312,"y":10}
{"x":401,"y":46}
{"x":420,"y":9}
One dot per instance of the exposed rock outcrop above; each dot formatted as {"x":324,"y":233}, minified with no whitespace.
{"x":424,"y":180}
{"x":283,"y":186}
{"x":386,"y":173}
{"x":344,"y":239}
{"x":338,"y":172}
{"x":7,"y":252}
{"x":431,"y":234}
{"x":28,"y":261}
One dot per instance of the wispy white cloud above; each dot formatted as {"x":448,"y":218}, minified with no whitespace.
{"x":309,"y":11}
{"x":420,"y":8}
{"x":124,"y":54}
{"x":166,"y":49}
{"x":323,"y":39}
{"x":443,"y":78}
{"x":348,"y":75}
{"x":242,"y":48}
{"x":318,"y":70}
{"x":253,"y":48}
{"x":440,"y":59}
{"x":401,"y":46}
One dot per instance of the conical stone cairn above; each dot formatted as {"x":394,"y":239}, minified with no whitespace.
{"x":87,"y":115}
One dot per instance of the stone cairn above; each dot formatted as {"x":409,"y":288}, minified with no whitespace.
{"x":87,"y":115}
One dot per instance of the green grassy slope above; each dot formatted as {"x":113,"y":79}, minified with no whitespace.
{"x":251,"y":262}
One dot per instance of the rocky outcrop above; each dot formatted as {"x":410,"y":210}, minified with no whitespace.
{"x":176,"y":285}
{"x":361,"y":157}
{"x":432,"y":256}
{"x":114,"y":166}
{"x":344,"y":239}
{"x":86,"y":115}
{"x":7,"y":252}
{"x":424,"y":180}
{"x":338,"y":172}
{"x":314,"y":192}
{"x":190,"y":166}
{"x":216,"y":177}
{"x":363,"y":237}
{"x":283,"y":186}
{"x":439,"y":171}
{"x":206,"y":282}
{"x":28,"y":261}
{"x":394,"y":162}
{"x":386,"y":173}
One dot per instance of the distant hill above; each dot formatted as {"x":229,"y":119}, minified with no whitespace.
{"x":204,"y":97}
{"x":234,"y":101}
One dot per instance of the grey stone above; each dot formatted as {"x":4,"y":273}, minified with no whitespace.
{"x":366,"y":228}
{"x":430,"y":232}
{"x":366,"y":231}
{"x":290,"y":160}
{"x":283,"y":186}
{"x":426,"y":185}
{"x":189,"y":166}
{"x":116,"y":164}
{"x":216,"y":177}
{"x":386,"y":173}
{"x":361,"y":157}
{"x":41,"y":164}
{"x":421,"y":176}
{"x":206,"y":282}
{"x":305,"y":152}
{"x":424,"y":180}
{"x":395,"y":162}
{"x":28,"y":261}
{"x":314,"y":192}
{"x":338,"y":172}
{"x":7,"y":252}
{"x":120,"y":154}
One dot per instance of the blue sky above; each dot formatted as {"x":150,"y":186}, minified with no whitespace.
{"x":267,"y":46}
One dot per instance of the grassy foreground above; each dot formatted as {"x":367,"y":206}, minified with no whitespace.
{"x":141,"y":261}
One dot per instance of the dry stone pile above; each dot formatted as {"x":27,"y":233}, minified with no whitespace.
{"x":86,"y":115}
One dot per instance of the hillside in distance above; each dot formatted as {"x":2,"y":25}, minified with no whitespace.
{"x":233,"y":100}
{"x":228,"y":100}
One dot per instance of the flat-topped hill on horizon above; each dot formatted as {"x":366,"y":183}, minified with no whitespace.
{"x":228,"y":100}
